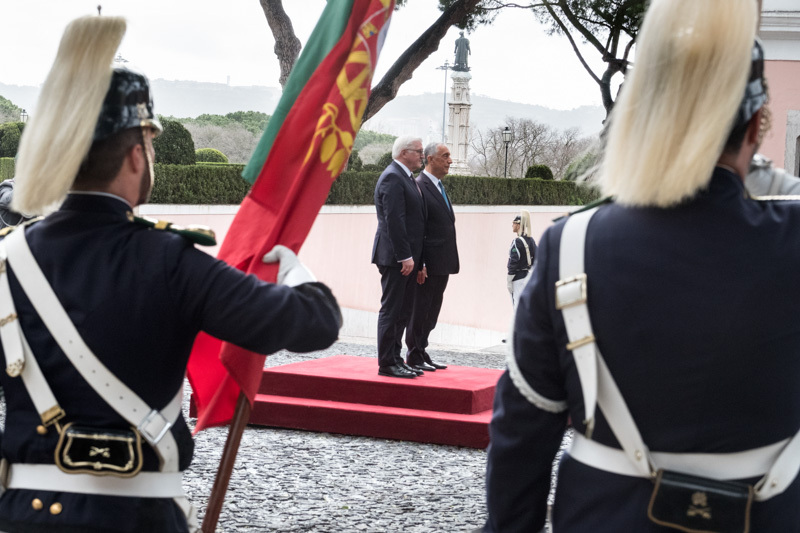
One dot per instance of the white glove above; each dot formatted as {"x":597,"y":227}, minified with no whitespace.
{"x":291,"y":271}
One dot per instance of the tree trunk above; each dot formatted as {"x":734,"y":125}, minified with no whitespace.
{"x":613,"y":67}
{"x":427,"y":43}
{"x":287,"y":48}
{"x":287,"y":45}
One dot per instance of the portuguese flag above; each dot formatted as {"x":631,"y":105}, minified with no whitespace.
{"x":304,"y":148}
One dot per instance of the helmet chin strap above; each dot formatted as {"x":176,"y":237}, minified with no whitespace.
{"x":145,"y":195}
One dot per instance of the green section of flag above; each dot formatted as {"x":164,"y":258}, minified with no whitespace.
{"x":326,"y":34}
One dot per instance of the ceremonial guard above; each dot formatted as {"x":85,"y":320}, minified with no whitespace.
{"x":100,"y":309}
{"x":663,"y":324}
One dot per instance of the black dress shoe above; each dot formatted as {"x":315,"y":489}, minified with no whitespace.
{"x":422,"y":365}
{"x":416,"y":371}
{"x":429,"y":362}
{"x":396,"y":371}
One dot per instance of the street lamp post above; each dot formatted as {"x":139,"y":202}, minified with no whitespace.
{"x":444,"y":96}
{"x":23,"y":116}
{"x":507,"y":136}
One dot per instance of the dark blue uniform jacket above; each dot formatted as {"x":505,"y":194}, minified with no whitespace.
{"x":696,"y":310}
{"x":138,"y":297}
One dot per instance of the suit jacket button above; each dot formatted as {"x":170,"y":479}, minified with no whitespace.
{"x":55,"y":508}
{"x":37,"y":504}
{"x":41,"y":430}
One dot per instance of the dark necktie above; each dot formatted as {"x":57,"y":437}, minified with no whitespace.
{"x":444,"y":194}
{"x":416,"y":184}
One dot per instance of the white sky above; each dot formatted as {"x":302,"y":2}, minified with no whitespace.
{"x":204,"y":40}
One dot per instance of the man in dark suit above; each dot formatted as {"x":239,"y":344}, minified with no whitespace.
{"x":439,"y":257}
{"x":397,"y":251}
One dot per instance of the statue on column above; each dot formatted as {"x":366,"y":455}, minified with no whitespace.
{"x":462,"y":52}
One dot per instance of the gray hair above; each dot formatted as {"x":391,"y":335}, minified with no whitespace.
{"x":403,"y":143}
{"x":430,"y":150}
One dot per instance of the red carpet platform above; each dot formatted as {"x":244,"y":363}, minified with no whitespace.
{"x":345,"y":394}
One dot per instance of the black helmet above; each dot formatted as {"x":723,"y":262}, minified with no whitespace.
{"x":754,"y":94}
{"x":128,"y":104}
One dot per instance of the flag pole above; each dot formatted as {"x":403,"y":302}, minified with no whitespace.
{"x":226,"y":463}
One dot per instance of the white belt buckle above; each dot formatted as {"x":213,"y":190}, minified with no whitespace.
{"x":144,"y":427}
{"x":571,"y":291}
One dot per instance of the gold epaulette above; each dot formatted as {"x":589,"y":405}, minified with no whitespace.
{"x":590,"y":205}
{"x":202,"y":235}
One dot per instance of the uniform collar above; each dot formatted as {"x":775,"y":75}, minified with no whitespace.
{"x":96,"y":202}
{"x":724,"y":179}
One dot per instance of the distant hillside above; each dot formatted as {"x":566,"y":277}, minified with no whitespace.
{"x":192,"y":98}
{"x":422,"y":115}
{"x":20,"y":95}
{"x":405,"y":115}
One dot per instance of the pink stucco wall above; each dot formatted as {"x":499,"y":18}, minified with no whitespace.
{"x":338,"y":250}
{"x":784,"y":84}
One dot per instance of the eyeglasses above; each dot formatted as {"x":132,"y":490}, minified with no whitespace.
{"x":418,"y":151}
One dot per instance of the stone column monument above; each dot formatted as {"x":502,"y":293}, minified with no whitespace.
{"x":458,"y":125}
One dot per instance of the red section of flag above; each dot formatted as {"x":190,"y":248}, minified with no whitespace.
{"x":308,"y":153}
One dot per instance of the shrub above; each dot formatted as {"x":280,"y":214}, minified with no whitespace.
{"x":199,"y":184}
{"x":539,"y":171}
{"x":353,"y":188}
{"x":10,"y":133}
{"x":354,"y":163}
{"x":6,"y":168}
{"x":385,"y":160}
{"x":175,"y":145}
{"x":210,"y":155}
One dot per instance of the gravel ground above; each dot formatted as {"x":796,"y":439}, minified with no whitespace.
{"x":290,"y":480}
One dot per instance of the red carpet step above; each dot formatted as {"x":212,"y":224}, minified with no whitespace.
{"x":345,"y":394}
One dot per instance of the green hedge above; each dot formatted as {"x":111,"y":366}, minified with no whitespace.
{"x":199,"y":184}
{"x":357,"y":188}
{"x":6,"y":168}
{"x":353,"y":188}
{"x":223,"y":184}
{"x":476,"y":190}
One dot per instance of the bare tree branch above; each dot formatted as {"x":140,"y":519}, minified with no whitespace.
{"x":403,"y":69}
{"x":583,"y":30}
{"x":572,"y":42}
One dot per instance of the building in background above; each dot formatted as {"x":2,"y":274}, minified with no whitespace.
{"x":780,"y":33}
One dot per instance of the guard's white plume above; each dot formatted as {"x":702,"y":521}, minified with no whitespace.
{"x":677,"y":107}
{"x":59,"y":134}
